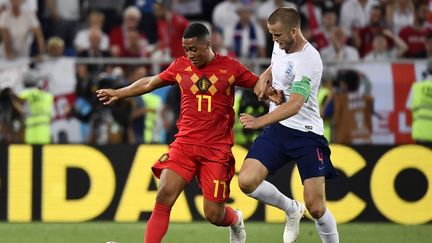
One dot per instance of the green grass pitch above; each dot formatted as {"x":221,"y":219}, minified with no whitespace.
{"x":202,"y":232}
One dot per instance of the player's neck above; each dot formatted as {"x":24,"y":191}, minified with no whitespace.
{"x":298,"y":46}
{"x":211,"y":57}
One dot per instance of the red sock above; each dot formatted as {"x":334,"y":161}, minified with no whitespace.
{"x":157,"y":226}
{"x":230,"y":217}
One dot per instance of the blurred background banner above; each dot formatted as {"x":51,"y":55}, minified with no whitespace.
{"x":389,"y":83}
{"x":77,"y":183}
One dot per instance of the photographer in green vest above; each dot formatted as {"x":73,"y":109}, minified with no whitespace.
{"x":38,"y":114}
{"x":421,"y":107}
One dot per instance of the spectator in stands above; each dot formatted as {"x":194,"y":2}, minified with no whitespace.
{"x":415,"y":35}
{"x":64,"y":18}
{"x":17,"y":32}
{"x":321,"y":37}
{"x":399,"y":13}
{"x":362,"y":37}
{"x":95,"y":37}
{"x":312,"y":10}
{"x":338,"y":51}
{"x":355,"y":14}
{"x":224,"y":14}
{"x":218,"y":44}
{"x":427,"y":53}
{"x":82,"y":38}
{"x":59,"y":74}
{"x":269,"y":6}
{"x":263,"y":12}
{"x":148,"y":19}
{"x":112,"y":9}
{"x":126,"y":40}
{"x":190,"y":9}
{"x":26,"y":6}
{"x":380,"y":49}
{"x":246,"y":37}
{"x":55,"y":47}
{"x":170,"y":27}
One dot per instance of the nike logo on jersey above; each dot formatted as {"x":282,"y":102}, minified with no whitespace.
{"x":188,"y":69}
{"x":223,"y":70}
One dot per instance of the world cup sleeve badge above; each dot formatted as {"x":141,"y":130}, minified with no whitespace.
{"x":164,"y":158}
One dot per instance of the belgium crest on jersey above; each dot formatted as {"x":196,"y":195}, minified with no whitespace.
{"x":203,"y":84}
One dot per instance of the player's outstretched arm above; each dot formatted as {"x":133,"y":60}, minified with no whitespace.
{"x":281,"y":112}
{"x":139,"y":87}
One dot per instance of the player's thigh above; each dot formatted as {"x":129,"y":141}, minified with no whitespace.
{"x":265,"y":154}
{"x":215,"y":173}
{"x":170,"y":186}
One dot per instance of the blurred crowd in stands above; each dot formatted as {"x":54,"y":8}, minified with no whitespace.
{"x":48,"y":31}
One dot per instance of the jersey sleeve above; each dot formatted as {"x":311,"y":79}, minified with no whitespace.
{"x":244,"y":77}
{"x":169,"y":74}
{"x":306,"y":77}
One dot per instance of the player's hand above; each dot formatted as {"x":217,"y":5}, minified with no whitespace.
{"x":249,"y":121}
{"x":263,"y":83}
{"x":277,"y":96}
{"x":107,"y":96}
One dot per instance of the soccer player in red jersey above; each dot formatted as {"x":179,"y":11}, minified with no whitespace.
{"x":203,"y":144}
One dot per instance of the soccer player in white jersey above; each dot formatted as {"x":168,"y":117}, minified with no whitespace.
{"x":293,"y":131}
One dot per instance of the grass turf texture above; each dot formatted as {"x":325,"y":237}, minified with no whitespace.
{"x":202,"y":232}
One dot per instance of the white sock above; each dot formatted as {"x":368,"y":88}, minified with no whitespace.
{"x":269,"y":194}
{"x":327,"y":228}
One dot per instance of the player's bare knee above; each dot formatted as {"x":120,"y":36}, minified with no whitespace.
{"x":316,"y":210}
{"x":246,"y":183}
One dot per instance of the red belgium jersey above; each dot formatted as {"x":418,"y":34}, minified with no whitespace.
{"x":207,"y":99}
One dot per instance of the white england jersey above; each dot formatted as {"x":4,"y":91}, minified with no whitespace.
{"x":287,"y":68}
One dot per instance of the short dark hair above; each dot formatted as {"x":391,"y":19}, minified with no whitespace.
{"x":287,"y":16}
{"x":351,"y":78}
{"x":196,"y":30}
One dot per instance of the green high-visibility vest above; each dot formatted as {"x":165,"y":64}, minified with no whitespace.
{"x":422,"y":111}
{"x":151,"y":101}
{"x":38,"y":117}
{"x":322,"y":93}
{"x":239,"y":137}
